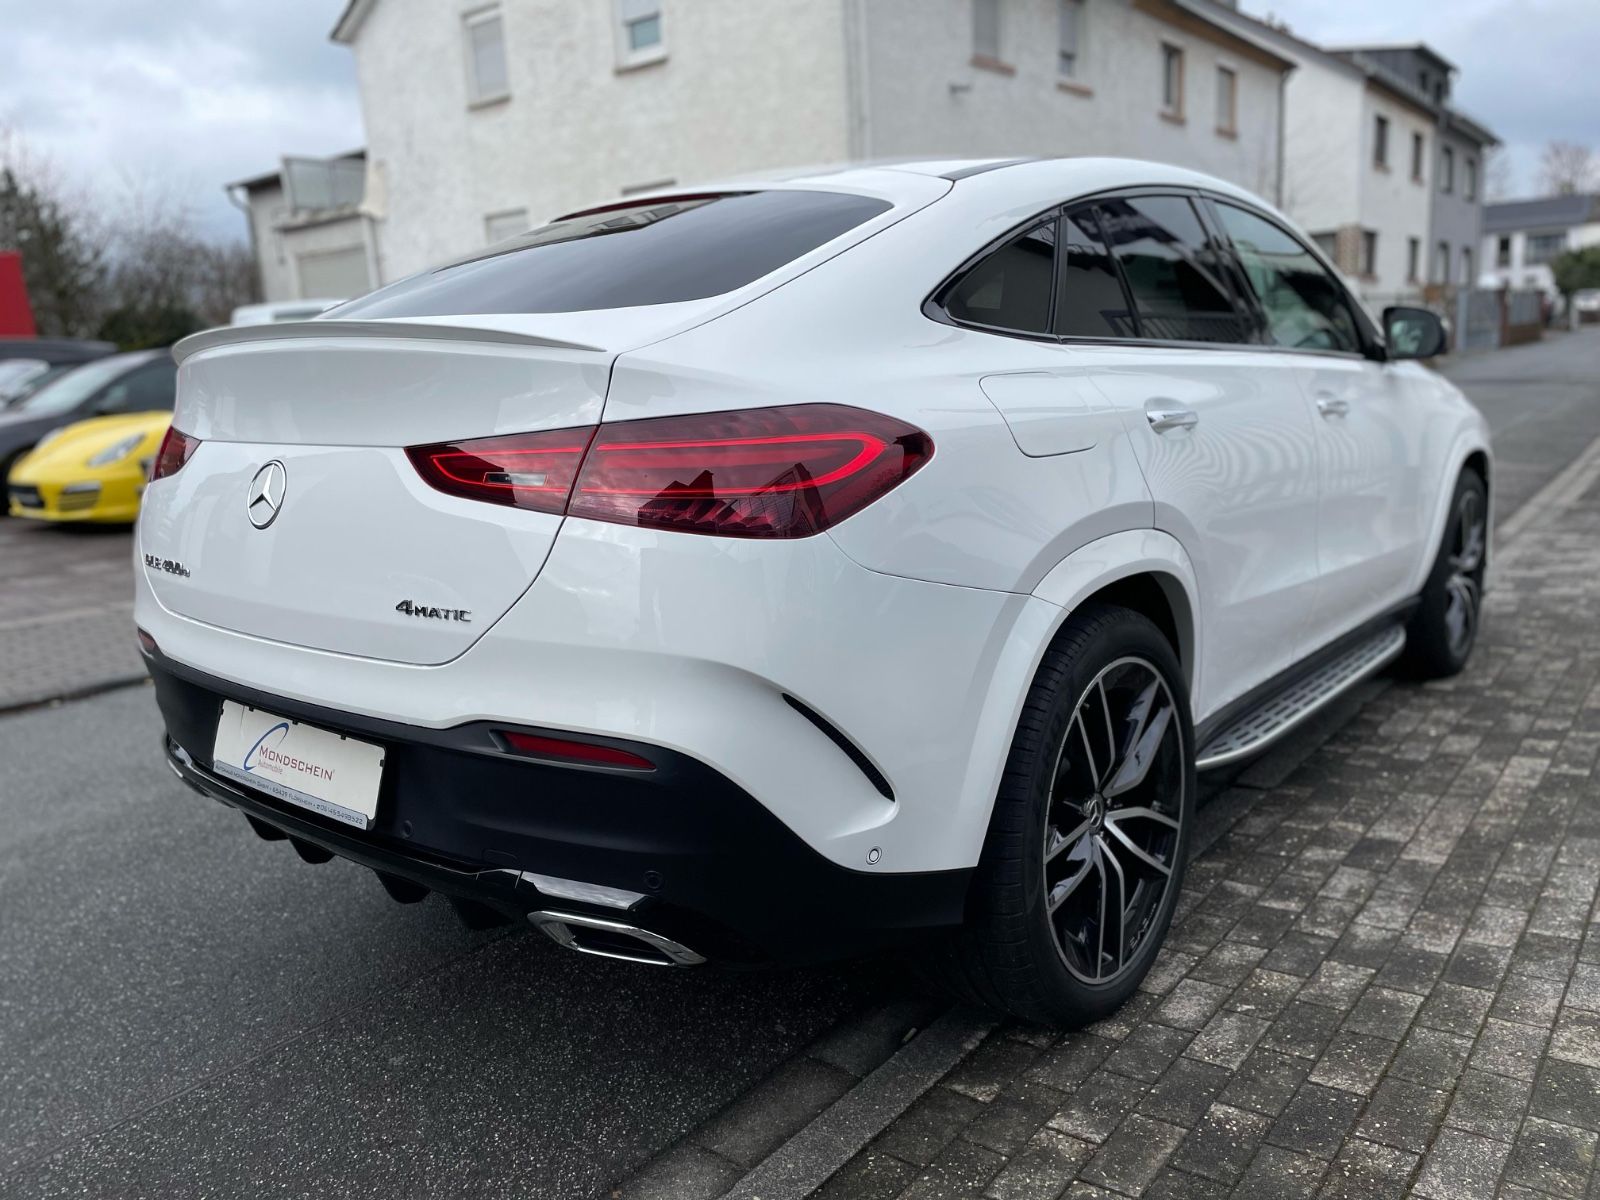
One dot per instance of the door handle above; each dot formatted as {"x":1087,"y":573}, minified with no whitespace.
{"x":1332,"y":406}
{"x":1163,"y":417}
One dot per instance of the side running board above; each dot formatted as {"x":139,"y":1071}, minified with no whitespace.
{"x":1279,"y":713}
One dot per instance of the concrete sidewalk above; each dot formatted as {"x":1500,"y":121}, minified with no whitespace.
{"x":1385,"y":978}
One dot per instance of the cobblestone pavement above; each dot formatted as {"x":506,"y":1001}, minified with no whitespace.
{"x":66,"y":609}
{"x":1384,"y":979}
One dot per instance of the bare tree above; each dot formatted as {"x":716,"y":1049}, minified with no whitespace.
{"x":62,"y":245}
{"x":1567,"y":167}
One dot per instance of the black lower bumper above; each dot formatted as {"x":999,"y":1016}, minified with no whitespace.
{"x":716,"y":871}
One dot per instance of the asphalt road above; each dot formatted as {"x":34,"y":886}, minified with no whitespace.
{"x":188,"y":1011}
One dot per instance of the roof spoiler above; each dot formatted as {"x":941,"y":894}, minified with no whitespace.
{"x":237,"y":335}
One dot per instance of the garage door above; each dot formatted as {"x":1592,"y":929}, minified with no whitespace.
{"x":334,"y":274}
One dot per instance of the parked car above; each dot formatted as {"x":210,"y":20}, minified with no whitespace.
{"x":91,"y":472}
{"x":280,"y":310}
{"x":26,"y":364}
{"x":790,"y":569}
{"x":142,"y":381}
{"x":1587,"y":304}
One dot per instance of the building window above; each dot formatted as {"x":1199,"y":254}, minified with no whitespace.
{"x":1447,"y":170}
{"x":1466,"y":266}
{"x":1380,"y":143}
{"x":640,"y":34}
{"x":1328,"y":243}
{"x":1369,"y":253}
{"x":1413,"y":259}
{"x":1472,"y":179}
{"x":1419,"y":146}
{"x":1441,"y":270}
{"x":1227,"y":100}
{"x":1171,"y":82}
{"x":497,"y":227}
{"x":986,"y":30}
{"x":1502,"y":251}
{"x":1542,"y":247}
{"x":1071,"y":47}
{"x":485,"y":35}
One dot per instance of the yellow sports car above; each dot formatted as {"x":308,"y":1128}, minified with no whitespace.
{"x":94,"y":470}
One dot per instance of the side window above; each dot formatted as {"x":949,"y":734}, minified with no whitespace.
{"x":148,"y":389}
{"x":1305,"y":306}
{"x":1090,"y":302}
{"x":1009,"y":288}
{"x":1178,"y":285}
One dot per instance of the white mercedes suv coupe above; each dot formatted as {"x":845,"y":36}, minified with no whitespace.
{"x":786,"y":570}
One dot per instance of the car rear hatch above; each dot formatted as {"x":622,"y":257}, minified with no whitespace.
{"x":353,"y":552}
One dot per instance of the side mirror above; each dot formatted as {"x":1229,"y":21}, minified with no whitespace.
{"x":1413,"y":332}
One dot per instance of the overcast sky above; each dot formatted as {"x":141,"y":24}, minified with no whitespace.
{"x":178,"y":97}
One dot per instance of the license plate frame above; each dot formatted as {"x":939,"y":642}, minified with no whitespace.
{"x":324,"y":772}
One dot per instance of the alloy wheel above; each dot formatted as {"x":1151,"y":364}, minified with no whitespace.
{"x":1114,"y":819}
{"x":1464,"y":586}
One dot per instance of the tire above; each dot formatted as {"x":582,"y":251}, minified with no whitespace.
{"x":1031,"y":945}
{"x":1443,"y":630}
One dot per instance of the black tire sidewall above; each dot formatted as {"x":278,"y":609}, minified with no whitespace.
{"x":1118,"y":633}
{"x":1431,"y":655}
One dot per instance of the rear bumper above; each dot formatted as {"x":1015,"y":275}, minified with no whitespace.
{"x":711,"y":867}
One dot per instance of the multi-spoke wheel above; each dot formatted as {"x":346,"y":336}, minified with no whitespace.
{"x":1086,"y":846}
{"x":1441,"y":634}
{"x":1115,"y":812}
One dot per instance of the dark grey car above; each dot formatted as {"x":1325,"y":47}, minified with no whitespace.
{"x":143,"y":381}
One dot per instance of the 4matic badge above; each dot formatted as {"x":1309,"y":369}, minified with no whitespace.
{"x":413,"y":609}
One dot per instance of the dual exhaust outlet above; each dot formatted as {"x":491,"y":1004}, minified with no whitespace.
{"x":613,"y":939}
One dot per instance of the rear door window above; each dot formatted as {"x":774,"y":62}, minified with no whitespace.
{"x":1173,"y":271}
{"x":1090,"y":302}
{"x":1010,"y":288}
{"x":653,"y":252}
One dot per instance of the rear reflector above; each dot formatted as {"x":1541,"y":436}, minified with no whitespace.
{"x":560,"y":749}
{"x":177,"y":448}
{"x":757,"y":473}
{"x":147,"y":644}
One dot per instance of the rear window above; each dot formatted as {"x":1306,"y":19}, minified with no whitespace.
{"x":656,"y":252}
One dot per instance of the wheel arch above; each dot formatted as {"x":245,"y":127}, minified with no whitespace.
{"x":1145,"y":570}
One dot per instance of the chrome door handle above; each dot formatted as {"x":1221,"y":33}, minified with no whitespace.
{"x":1332,"y":406}
{"x":1162,"y":419}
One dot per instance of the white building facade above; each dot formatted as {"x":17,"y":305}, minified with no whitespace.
{"x":484,"y":118}
{"x":1521,"y":237}
{"x":311,"y":233}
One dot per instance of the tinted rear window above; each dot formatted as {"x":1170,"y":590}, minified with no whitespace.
{"x":652,"y":253}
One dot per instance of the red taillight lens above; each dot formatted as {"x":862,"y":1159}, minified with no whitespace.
{"x":536,"y":746}
{"x":758,"y":473}
{"x":177,"y":448}
{"x":531,"y":470}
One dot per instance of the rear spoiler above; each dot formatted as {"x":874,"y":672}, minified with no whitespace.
{"x":319,"y":328}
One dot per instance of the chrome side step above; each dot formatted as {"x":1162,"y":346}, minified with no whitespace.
{"x":613,"y":939}
{"x":1282,"y":711}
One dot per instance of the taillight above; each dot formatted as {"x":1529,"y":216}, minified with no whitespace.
{"x":758,"y":473}
{"x":530,"y":470}
{"x":564,"y":750}
{"x":177,"y":448}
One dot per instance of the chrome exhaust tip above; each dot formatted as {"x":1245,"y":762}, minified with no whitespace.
{"x":613,"y":939}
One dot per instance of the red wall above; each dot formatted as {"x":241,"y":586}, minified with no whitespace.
{"x":16,"y":315}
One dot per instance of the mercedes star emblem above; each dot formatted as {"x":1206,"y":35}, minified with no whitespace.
{"x":265,"y":501}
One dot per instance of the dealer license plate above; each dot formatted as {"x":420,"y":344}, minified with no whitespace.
{"x":301,"y":764}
